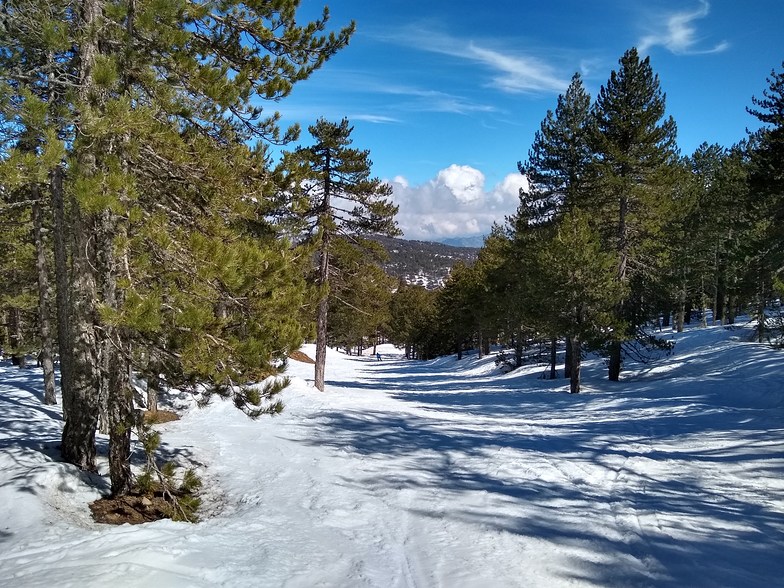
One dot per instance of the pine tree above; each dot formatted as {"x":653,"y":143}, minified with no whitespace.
{"x":556,"y":171}
{"x":155,"y":137}
{"x":360,"y":294}
{"x":581,"y":287}
{"x":336,"y":196}
{"x":634,"y":149}
{"x":558,"y":158}
{"x":766,"y":179}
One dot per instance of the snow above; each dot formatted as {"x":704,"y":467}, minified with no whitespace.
{"x":439,"y":473}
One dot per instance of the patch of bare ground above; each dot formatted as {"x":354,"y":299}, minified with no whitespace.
{"x":133,"y":508}
{"x":159,"y":416}
{"x":300,"y":356}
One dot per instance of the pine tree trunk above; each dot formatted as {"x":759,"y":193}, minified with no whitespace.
{"x":568,"y":358}
{"x":321,"y":317}
{"x":614,"y":368}
{"x":479,"y":345}
{"x":575,"y":356}
{"x":18,"y":357}
{"x":61,"y":232}
{"x":105,"y":358}
{"x":44,"y":322}
{"x":720,"y":296}
{"x":761,"y":319}
{"x":732,"y":302}
{"x":153,"y":390}
{"x":553,"y":357}
{"x":78,"y":443}
{"x":519,"y":349}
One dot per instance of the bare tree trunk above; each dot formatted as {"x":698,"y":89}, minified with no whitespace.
{"x":321,"y":317}
{"x":761,"y":319}
{"x":153,"y":389}
{"x":78,"y":444}
{"x":61,"y":232}
{"x":575,"y":357}
{"x":614,"y":371}
{"x":15,"y":337}
{"x":44,"y":322}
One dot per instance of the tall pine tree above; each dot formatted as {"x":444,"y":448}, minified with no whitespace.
{"x":336,"y":196}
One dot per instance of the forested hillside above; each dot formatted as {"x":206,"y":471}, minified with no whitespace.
{"x":423,"y":263}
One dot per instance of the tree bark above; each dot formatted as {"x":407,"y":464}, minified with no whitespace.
{"x":553,"y":357}
{"x":44,"y":322}
{"x":78,"y":443}
{"x":568,"y":359}
{"x":614,"y":369}
{"x":575,"y":360}
{"x":61,"y":232}
{"x":321,"y":317}
{"x":15,"y":336}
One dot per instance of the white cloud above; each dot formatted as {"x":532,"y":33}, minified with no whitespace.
{"x":513,"y":72}
{"x":374,"y":118}
{"x":455,"y":203}
{"x":517,"y":73}
{"x":677,"y":33}
{"x":466,"y":183}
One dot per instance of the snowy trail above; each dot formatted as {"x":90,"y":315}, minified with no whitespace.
{"x":441,"y":473}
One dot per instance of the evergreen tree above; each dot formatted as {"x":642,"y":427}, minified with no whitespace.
{"x":414,"y":323}
{"x":158,"y":172}
{"x":582,"y":291}
{"x":631,"y":178}
{"x":336,"y":196}
{"x":360,"y":294}
{"x":556,"y":171}
{"x":766,"y":179}
{"x":558,"y":158}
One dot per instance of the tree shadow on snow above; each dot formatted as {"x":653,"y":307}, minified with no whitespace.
{"x":630,"y":480}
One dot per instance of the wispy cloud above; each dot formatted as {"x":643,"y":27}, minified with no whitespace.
{"x":374,"y":118}
{"x":431,"y":100}
{"x":516,"y":73}
{"x":511,"y":71}
{"x":677,"y":32}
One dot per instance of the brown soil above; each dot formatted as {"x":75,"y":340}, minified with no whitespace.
{"x":160,"y":416}
{"x":133,"y":509}
{"x":299,"y":356}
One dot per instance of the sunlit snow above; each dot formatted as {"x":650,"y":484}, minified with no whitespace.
{"x":439,"y":473}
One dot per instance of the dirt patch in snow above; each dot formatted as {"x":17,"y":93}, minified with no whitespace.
{"x":300,"y":356}
{"x":133,"y":509}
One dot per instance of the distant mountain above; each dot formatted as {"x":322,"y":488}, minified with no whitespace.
{"x":425,"y":263}
{"x":475,"y":241}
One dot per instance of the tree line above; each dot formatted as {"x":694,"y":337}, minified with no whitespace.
{"x":617,"y":233}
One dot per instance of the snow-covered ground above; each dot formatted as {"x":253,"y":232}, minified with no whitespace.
{"x":439,"y":473}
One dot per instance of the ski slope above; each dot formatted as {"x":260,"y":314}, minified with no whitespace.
{"x":438,"y":473}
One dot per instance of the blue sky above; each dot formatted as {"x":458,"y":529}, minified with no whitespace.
{"x":447,"y":96}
